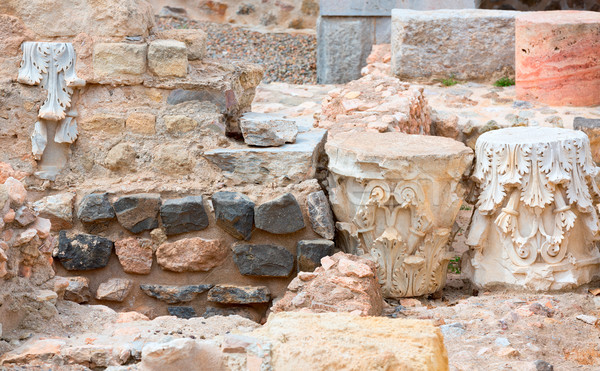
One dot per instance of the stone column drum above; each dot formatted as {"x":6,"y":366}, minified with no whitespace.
{"x":558,"y":57}
{"x":536,"y":220}
{"x":396,"y":197}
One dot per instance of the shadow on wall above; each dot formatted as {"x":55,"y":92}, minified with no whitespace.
{"x":537,"y":5}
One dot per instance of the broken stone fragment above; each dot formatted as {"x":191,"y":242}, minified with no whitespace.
{"x":95,"y":208}
{"x":138,"y":212}
{"x":266,"y":130}
{"x":168,"y":58}
{"x":83,"y":251}
{"x":234,"y":213}
{"x":174,"y":294}
{"x":58,"y":209}
{"x":16,"y":192}
{"x":191,"y":255}
{"x":24,"y":216}
{"x":320,"y":215}
{"x":310,"y":252}
{"x":135,"y":255}
{"x":263,"y":260}
{"x":42,"y":226}
{"x":78,"y":290}
{"x":182,"y":354}
{"x":194,"y":39}
{"x":182,"y":312}
{"x":183,"y":215}
{"x":115,"y":289}
{"x":280,"y":216}
{"x":229,"y":294}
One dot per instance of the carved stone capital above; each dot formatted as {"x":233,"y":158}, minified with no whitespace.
{"x":396,"y":197}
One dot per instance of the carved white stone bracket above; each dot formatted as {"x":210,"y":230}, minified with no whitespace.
{"x":52,"y":66}
{"x":396,"y":197}
{"x":536,"y":221}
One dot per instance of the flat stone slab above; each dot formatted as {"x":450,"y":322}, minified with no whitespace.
{"x":229,"y":294}
{"x":558,"y":58}
{"x":290,"y":163}
{"x":464,"y":43}
{"x":266,"y":130}
{"x":383,"y":8}
{"x":173,"y":294}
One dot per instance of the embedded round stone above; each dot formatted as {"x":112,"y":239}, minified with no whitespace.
{"x":279,"y":216}
{"x":234,"y":213}
{"x":183,"y":215}
{"x":558,"y":57}
{"x":263,"y":260}
{"x":83,"y":251}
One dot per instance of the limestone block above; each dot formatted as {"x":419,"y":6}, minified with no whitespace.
{"x":168,"y":58}
{"x":58,"y":209}
{"x":536,"y":220}
{"x":120,"y":157}
{"x":181,"y":354}
{"x":120,"y":62}
{"x":383,"y":8}
{"x":104,"y":18}
{"x":180,"y":124}
{"x":307,"y":341}
{"x":266,"y":130}
{"x":141,"y":123}
{"x":191,"y":255}
{"x":104,"y":122}
{"x":396,"y":196}
{"x":115,"y":289}
{"x":291,"y":163}
{"x":558,"y":58}
{"x":469,"y":44}
{"x":343,"y":45}
{"x":173,"y":159}
{"x":194,"y":39}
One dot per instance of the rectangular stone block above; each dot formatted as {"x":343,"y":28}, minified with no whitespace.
{"x":343,"y":45}
{"x":468,"y":44}
{"x":384,"y":7}
{"x":168,"y":58}
{"x":120,"y":61}
{"x":194,"y":39}
{"x":287,"y":164}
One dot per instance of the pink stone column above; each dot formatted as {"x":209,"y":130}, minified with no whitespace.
{"x":558,"y":57}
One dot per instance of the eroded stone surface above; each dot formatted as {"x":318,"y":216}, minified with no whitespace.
{"x":265,"y":130}
{"x":310,"y":252}
{"x":191,"y":255}
{"x":58,"y":209}
{"x":183,"y":215}
{"x":115,"y":289}
{"x":464,"y":43}
{"x":234,"y":213}
{"x":280,"y":216}
{"x":546,"y":40}
{"x":333,"y":289}
{"x":320,"y":215}
{"x":78,"y":290}
{"x":307,"y":340}
{"x":229,"y":294}
{"x":263,"y":260}
{"x":135,"y":255}
{"x":83,"y":251}
{"x":172,"y":294}
{"x":138,"y":212}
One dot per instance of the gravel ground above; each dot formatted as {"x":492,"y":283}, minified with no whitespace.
{"x":286,"y":57}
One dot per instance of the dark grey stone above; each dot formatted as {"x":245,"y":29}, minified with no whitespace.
{"x":263,"y":260}
{"x":583,"y":124}
{"x":138,"y":212}
{"x":234,"y":213}
{"x":83,"y":251}
{"x":310,"y":252}
{"x":95,"y":208}
{"x":182,"y":312}
{"x":280,"y":216}
{"x":320,"y":215}
{"x":174,"y":294}
{"x":541,"y":365}
{"x":229,"y":294}
{"x":183,"y":215}
{"x":24,"y":216}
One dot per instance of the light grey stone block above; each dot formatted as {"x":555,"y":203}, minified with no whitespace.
{"x":467,"y":44}
{"x":343,"y":45}
{"x":384,"y":7}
